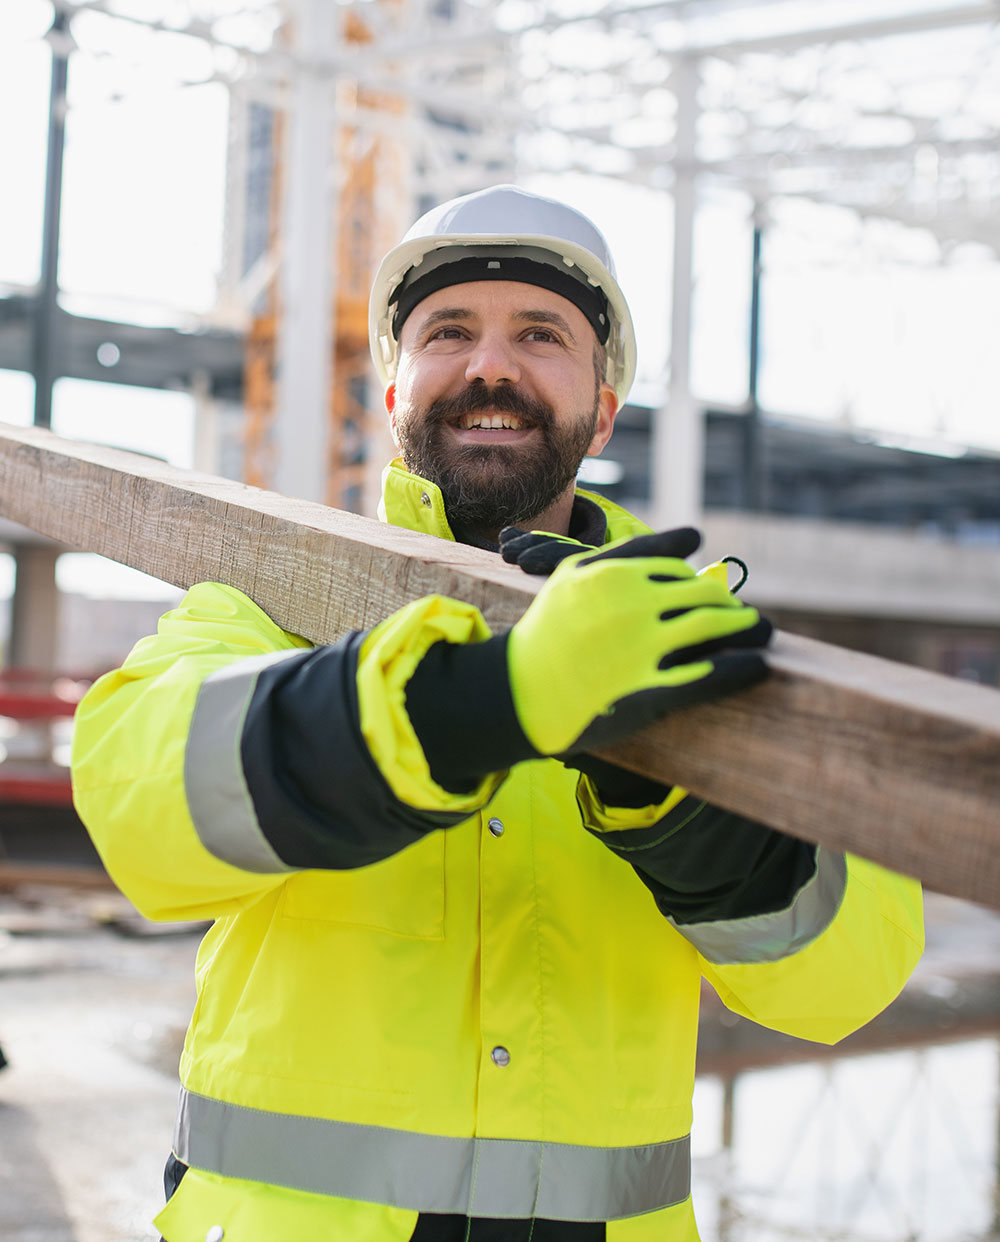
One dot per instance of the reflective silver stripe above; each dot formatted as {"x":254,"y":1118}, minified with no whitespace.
{"x":218,"y":799}
{"x":431,"y":1173}
{"x":768,"y":937}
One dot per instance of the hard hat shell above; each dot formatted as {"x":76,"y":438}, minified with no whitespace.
{"x":505,"y":215}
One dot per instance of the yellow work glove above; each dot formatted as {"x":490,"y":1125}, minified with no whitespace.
{"x":619,"y":637}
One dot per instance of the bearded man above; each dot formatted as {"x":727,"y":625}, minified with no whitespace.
{"x":450,"y":993}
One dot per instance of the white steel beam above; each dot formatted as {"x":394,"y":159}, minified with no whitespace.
{"x":304,"y":354}
{"x":875,"y":27}
{"x":678,"y":447}
{"x":822,"y":155}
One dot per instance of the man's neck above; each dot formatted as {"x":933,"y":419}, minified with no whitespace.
{"x":555,"y":520}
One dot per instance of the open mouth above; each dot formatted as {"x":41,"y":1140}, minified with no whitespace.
{"x":481,"y":421}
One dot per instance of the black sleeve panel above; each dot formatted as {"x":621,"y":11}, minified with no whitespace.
{"x":460,"y":706}
{"x":320,"y":799}
{"x":703,"y":864}
{"x":617,"y":786}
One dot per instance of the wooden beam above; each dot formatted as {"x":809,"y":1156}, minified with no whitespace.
{"x":853,"y":752}
{"x":317,"y":571}
{"x":65,"y":875}
{"x":857,"y":753}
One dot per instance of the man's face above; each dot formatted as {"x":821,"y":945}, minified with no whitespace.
{"x":497,"y":399}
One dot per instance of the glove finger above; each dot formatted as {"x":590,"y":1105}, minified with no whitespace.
{"x":543,"y":561}
{"x":517,"y":539}
{"x":534,"y":552}
{"x":731,"y":672}
{"x":512,"y":538}
{"x":676,"y":544}
{"x":727,"y":674}
{"x":756,"y":635}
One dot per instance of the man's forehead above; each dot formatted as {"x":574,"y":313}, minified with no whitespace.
{"x":499,"y":299}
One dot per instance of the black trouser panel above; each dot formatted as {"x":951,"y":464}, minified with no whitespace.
{"x":432,"y":1227}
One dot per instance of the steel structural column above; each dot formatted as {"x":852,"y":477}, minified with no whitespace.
{"x":678,"y":430}
{"x":753,"y":471}
{"x":34,"y":613}
{"x":46,"y":316}
{"x":304,"y":362}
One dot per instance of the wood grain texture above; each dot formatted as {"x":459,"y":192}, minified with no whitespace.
{"x":857,"y":753}
{"x":317,"y":571}
{"x":894,"y":763}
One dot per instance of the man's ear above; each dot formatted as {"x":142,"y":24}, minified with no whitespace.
{"x":390,"y":406}
{"x":607,"y":408}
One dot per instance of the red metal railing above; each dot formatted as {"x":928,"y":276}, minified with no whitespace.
{"x":33,"y":700}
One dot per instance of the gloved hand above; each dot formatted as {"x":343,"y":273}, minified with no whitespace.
{"x":619,"y":637}
{"x":535,"y":551}
{"x":538,"y":552}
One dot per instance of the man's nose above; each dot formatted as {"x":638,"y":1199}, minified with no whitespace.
{"x":493,"y":361}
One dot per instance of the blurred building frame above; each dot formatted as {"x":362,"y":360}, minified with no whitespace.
{"x":868,"y":542}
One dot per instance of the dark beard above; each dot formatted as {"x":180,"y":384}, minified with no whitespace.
{"x":487,"y":487}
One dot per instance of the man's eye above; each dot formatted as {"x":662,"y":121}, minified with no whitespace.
{"x":446,"y":334}
{"x":540,"y":334}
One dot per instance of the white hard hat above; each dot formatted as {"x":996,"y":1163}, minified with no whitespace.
{"x":503,"y":233}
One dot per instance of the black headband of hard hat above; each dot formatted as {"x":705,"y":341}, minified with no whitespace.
{"x":586,"y":297}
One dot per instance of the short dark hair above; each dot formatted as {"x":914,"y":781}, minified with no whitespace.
{"x":600,"y":362}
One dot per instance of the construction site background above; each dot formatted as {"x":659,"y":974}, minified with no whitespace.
{"x":805,"y":201}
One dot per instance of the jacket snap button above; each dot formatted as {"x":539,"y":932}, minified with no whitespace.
{"x":500,"y":1056}
{"x":215,"y":1234}
{"x":496,"y":827}
{"x":425,"y":500}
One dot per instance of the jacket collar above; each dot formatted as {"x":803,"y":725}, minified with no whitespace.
{"x":413,"y":502}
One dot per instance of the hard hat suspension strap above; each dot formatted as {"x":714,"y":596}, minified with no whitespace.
{"x":586,"y":297}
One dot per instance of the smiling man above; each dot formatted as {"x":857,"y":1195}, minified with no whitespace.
{"x":450,"y":992}
{"x":504,"y":362}
{"x":497,"y":400}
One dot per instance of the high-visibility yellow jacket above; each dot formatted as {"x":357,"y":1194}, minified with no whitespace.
{"x":415,"y":1001}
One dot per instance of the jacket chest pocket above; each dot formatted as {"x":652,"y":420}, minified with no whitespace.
{"x":403,"y":894}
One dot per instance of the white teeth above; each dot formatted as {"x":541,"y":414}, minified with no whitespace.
{"x":490,"y":422}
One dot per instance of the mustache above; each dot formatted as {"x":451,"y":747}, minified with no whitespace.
{"x":505,"y":399}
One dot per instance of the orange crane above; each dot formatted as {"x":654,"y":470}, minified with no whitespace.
{"x":370,"y":215}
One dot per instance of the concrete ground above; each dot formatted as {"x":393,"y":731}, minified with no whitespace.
{"x":93,"y":1006}
{"x":91,"y":1021}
